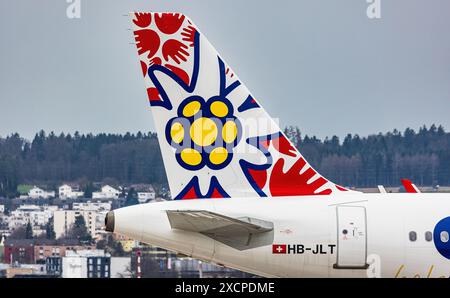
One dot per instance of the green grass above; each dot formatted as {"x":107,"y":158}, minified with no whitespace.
{"x":23,"y":189}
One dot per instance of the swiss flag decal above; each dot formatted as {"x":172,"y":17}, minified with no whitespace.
{"x":279,"y":248}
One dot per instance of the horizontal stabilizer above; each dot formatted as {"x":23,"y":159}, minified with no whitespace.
{"x":240,"y":233}
{"x":382,"y":189}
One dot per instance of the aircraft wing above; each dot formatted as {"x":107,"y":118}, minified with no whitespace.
{"x":240,"y":233}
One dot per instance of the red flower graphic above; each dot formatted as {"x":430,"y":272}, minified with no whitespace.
{"x":169,"y":23}
{"x":147,"y":40}
{"x":189,"y":34}
{"x":175,"y":50}
{"x":292,"y":183}
{"x":143,"y":19}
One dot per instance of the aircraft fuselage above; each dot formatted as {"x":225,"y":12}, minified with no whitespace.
{"x":354,"y":235}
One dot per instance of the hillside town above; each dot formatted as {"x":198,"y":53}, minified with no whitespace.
{"x":60,"y":233}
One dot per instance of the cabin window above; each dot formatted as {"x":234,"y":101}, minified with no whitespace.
{"x":428,"y":236}
{"x":412,"y":236}
{"x":444,"y":236}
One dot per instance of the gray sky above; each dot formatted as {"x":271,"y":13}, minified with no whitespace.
{"x":319,"y":64}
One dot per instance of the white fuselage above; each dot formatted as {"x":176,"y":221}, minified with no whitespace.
{"x":353,"y":235}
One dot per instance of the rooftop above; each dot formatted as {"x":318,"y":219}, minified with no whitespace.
{"x":42,"y":242}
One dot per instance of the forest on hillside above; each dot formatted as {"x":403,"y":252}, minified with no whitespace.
{"x":49,"y":159}
{"x":423,"y":156}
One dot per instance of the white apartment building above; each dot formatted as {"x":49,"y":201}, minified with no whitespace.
{"x":37,"y":231}
{"x":144,"y":197}
{"x":107,"y":192}
{"x":68,"y":192}
{"x":64,"y":219}
{"x":4,"y":220}
{"x":100,"y":208}
{"x":92,"y":206}
{"x":38,"y":216}
{"x":75,"y":263}
{"x":38,"y":193}
{"x":93,"y":264}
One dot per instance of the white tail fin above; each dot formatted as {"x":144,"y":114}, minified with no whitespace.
{"x":216,"y":139}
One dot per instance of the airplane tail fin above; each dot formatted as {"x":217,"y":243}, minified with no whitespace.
{"x":409,"y":186}
{"x":216,"y":139}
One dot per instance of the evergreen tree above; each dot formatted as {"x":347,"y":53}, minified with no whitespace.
{"x":79,"y":231}
{"x":49,"y":229}
{"x":131,"y":197}
{"x":423,"y":156}
{"x":88,"y":190}
{"x":29,"y":231}
{"x":18,"y":233}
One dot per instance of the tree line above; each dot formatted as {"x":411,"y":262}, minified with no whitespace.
{"x":83,"y":158}
{"x":423,"y":156}
{"x":50,"y":159}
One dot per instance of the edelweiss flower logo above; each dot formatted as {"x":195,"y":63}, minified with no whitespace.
{"x":204,"y":133}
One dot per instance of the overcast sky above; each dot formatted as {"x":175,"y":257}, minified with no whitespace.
{"x":320,"y":64}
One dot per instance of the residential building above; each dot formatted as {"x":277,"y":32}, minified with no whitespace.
{"x":25,"y":270}
{"x":107,"y":192}
{"x":101,"y":208}
{"x":86,"y":264}
{"x":120,"y":237}
{"x":53,"y":265}
{"x":69,"y":192}
{"x":64,"y":219}
{"x":92,"y":206}
{"x":4,"y":225}
{"x":18,"y":251}
{"x":144,"y":197}
{"x":38,"y":193}
{"x":128,"y":245}
{"x":99,"y":267}
{"x":37,"y":231}
{"x":57,"y":249}
{"x":37,"y":216}
{"x":145,"y":192}
{"x":11,"y":272}
{"x":35,"y":251}
{"x":32,"y":201}
{"x":74,"y":266}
